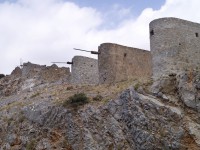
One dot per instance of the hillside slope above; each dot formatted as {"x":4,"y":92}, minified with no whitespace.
{"x":128,"y":115}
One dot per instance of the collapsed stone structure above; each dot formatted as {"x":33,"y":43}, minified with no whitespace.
{"x":174,"y":46}
{"x":84,"y":70}
{"x":119,"y":63}
{"x":45,"y":73}
{"x":31,"y":75}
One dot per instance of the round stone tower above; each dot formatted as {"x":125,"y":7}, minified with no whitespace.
{"x":175,"y":46}
{"x":84,"y":70}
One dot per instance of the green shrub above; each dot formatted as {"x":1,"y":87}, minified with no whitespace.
{"x":76,"y":100}
{"x":136,"y":86}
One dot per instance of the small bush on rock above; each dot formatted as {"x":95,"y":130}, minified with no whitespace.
{"x":136,"y":86}
{"x":76,"y":100}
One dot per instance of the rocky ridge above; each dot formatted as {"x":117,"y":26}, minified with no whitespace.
{"x":164,"y":115}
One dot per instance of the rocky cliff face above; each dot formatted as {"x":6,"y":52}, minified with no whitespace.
{"x":166,"y":118}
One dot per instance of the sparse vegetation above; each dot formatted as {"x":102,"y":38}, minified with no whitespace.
{"x":21,"y":118}
{"x":76,"y":100}
{"x":70,"y":87}
{"x":136,"y":86}
{"x":35,"y":95}
{"x":31,"y":145}
{"x":66,"y":145}
{"x":98,"y":98}
{"x":8,"y":120}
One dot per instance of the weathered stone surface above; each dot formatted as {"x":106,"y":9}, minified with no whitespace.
{"x":43,"y":144}
{"x":17,"y":72}
{"x":133,"y":121}
{"x":188,"y":89}
{"x":174,"y":46}
{"x":168,"y":118}
{"x":84,"y":70}
{"x":194,"y":130}
{"x":31,"y":75}
{"x":120,"y":63}
{"x":184,"y":85}
{"x":6,"y":146}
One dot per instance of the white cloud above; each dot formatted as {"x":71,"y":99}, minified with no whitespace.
{"x":47,"y":30}
{"x":42,"y":31}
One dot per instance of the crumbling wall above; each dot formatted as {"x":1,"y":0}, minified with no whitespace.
{"x":41,"y":73}
{"x":84,"y":70}
{"x":31,"y":70}
{"x":120,"y":63}
{"x":31,"y":75}
{"x":54,"y":73}
{"x":175,"y":46}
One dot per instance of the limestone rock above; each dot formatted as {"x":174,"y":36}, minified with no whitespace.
{"x":134,"y":120}
{"x":194,"y":130}
{"x":125,"y":123}
{"x":188,"y":89}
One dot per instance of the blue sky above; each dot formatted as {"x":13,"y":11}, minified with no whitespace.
{"x":108,"y":8}
{"x":136,"y":5}
{"x":42,"y":31}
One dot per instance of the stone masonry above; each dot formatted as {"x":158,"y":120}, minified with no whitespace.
{"x":120,"y":63}
{"x":175,"y":46}
{"x":84,"y":70}
{"x":41,"y":72}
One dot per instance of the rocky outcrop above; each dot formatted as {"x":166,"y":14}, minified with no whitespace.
{"x":132,"y":121}
{"x":189,"y":89}
{"x":9,"y":85}
{"x":184,"y":86}
{"x":17,"y":72}
{"x":167,"y":118}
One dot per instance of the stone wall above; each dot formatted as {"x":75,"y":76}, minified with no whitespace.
{"x":54,"y":73}
{"x":31,"y":70}
{"x":41,"y":72}
{"x":84,"y":70}
{"x":175,"y":46}
{"x":120,"y":63}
